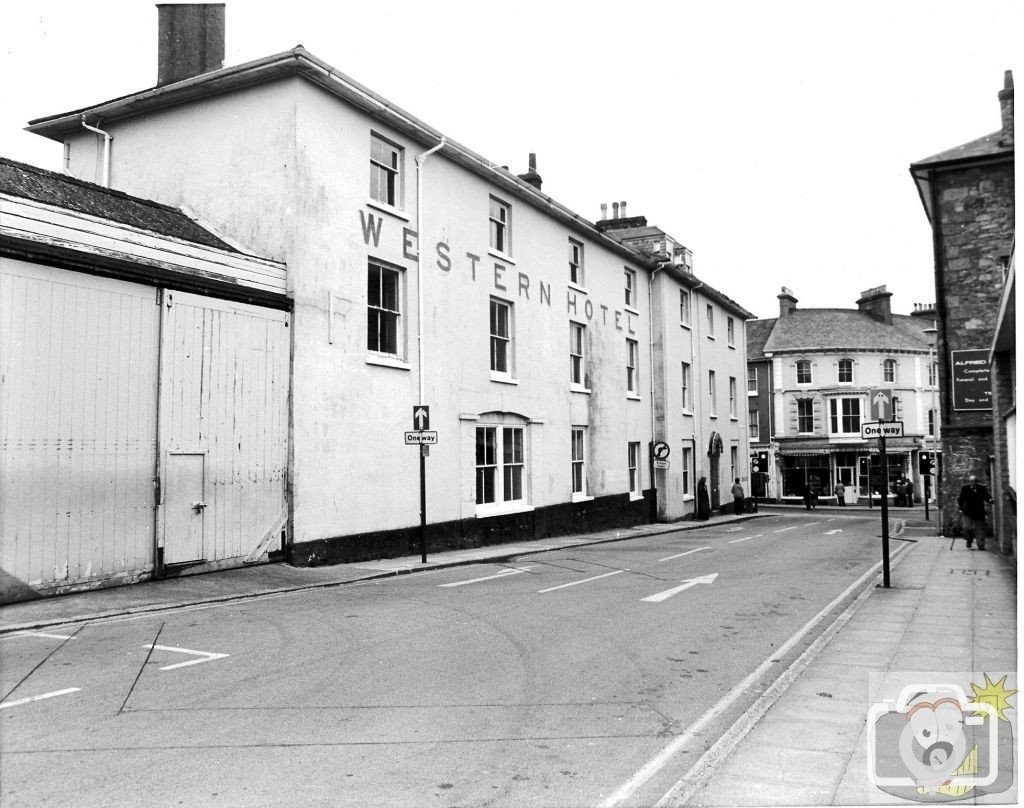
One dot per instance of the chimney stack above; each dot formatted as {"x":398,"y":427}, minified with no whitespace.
{"x":622,"y":208}
{"x":604,"y":210}
{"x":875,"y":303}
{"x":787,"y":303}
{"x":615,"y":210}
{"x":190,"y":40}
{"x":1006,"y":109}
{"x":531,"y":176}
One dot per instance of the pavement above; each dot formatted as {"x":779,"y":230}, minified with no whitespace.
{"x":805,"y":740}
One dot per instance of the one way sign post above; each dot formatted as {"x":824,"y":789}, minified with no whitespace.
{"x":880,"y":404}
{"x":421,"y":417}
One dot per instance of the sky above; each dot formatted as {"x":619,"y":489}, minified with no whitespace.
{"x":771,"y":138}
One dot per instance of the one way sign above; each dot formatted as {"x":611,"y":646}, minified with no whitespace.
{"x":421,"y":417}
{"x":880,"y":404}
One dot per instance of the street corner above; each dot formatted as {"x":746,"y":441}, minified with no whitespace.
{"x":943,"y":736}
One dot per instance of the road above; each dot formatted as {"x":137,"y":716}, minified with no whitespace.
{"x":592,"y":676}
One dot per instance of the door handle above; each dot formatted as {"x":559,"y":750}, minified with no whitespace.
{"x":198,"y":506}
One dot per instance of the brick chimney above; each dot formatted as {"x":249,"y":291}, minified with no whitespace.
{"x":1006,"y":109}
{"x":190,"y":40}
{"x":531,"y":176}
{"x":787,"y":303}
{"x":875,"y":302}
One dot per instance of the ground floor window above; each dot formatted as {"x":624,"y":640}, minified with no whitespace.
{"x":633,"y":464}
{"x":802,"y":472}
{"x":579,"y":460}
{"x":500,"y":465}
{"x":687,"y":464}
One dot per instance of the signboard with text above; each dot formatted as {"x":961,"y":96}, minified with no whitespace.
{"x":884,"y":429}
{"x":972,"y":380}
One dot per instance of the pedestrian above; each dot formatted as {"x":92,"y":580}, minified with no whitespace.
{"x":808,"y":496}
{"x":908,"y":492}
{"x":971,"y":502}
{"x":737,"y":497}
{"x":703,"y":499}
{"x":840,"y":493}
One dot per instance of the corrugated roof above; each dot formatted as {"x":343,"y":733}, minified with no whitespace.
{"x":38,"y":184}
{"x":844,"y":329}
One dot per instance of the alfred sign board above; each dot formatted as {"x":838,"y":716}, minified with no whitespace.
{"x":972,"y":380}
{"x":885,"y":429}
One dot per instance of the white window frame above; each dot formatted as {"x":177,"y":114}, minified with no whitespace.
{"x":633,"y":468}
{"x":751,"y":380}
{"x":838,"y":418}
{"x":632,"y":367}
{"x":732,"y":397}
{"x":713,"y":394}
{"x":500,"y":226}
{"x":801,"y":363}
{"x":687,"y":462}
{"x":577,"y":275}
{"x":577,"y":355}
{"x":687,"y":388}
{"x":890,"y":371}
{"x":730,"y":332}
{"x":630,"y":287}
{"x":507,"y":468}
{"x":847,"y":364}
{"x":684,"y":307}
{"x":734,"y":462}
{"x":500,"y":341}
{"x":801,"y":418}
{"x":754,"y":424}
{"x":578,"y":469}
{"x":711,"y":321}
{"x":933,"y":374}
{"x":392,"y":188}
{"x":381,"y":312}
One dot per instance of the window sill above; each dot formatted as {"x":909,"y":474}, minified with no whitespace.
{"x":631,"y":310}
{"x":577,"y":388}
{"x":713,"y":415}
{"x":503,"y":378}
{"x":581,"y":498}
{"x":635,"y":497}
{"x":502,"y":509}
{"x":733,"y":418}
{"x":633,"y":397}
{"x":751,"y":393}
{"x":687,"y":326}
{"x":383,"y":207}
{"x":732,"y":346}
{"x":388,"y":362}
{"x":688,"y":497}
{"x":508,"y":259}
{"x":577,"y":288}
{"x":688,"y":413}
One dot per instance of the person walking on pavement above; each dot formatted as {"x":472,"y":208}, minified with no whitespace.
{"x":737,"y":497}
{"x":971,"y":502}
{"x":840,"y":490}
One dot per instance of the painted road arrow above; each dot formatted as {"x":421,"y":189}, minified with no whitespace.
{"x":704,"y":579}
{"x":207,"y":656}
{"x":832,"y":532}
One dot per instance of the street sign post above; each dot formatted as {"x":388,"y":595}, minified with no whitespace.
{"x":881,"y":429}
{"x":880,"y":404}
{"x":422,"y":438}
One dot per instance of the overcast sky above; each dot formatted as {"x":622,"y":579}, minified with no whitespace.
{"x":771,"y":138}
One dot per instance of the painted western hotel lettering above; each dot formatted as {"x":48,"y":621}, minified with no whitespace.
{"x":372,"y":227}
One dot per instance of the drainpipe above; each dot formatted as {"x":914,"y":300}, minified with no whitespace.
{"x":107,"y":137}
{"x":695,"y":345}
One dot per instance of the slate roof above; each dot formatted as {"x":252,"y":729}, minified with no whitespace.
{"x":49,"y":187}
{"x":842,"y":329}
{"x":758,"y":332}
{"x":982,"y":147}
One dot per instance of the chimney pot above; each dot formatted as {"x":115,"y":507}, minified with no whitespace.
{"x":604,"y":210}
{"x":1006,"y":109}
{"x":622,"y":208}
{"x":615,"y":210}
{"x":190,"y":40}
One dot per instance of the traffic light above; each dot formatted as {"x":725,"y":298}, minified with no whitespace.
{"x":761,"y":462}
{"x":925,"y":465}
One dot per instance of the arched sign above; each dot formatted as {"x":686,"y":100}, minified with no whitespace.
{"x":660,"y":450}
{"x":715,"y":445}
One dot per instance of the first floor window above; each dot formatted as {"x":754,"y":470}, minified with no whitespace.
{"x":730,"y":331}
{"x":754,"y":419}
{"x":931,"y":422}
{"x":897,"y":409}
{"x":579,"y":460}
{"x":501,"y":336}
{"x":844,"y":416}
{"x":576,"y":262}
{"x":577,"y":357}
{"x":889,"y":370}
{"x":632,"y":366}
{"x":633,"y":461}
{"x":684,"y":306}
{"x":713,"y":393}
{"x":630,"y":287}
{"x":734,"y":462}
{"x":383,"y":295}
{"x":732,"y":396}
{"x":845,"y":371}
{"x":687,"y":389}
{"x":751,"y":379}
{"x":385,"y":171}
{"x":933,"y":374}
{"x":803,"y":371}
{"x":711,"y":320}
{"x":500,"y":226}
{"x":500,"y":464}
{"x":687,"y":462}
{"x":804,"y":416}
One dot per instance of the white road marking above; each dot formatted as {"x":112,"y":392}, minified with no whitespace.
{"x":574,"y":583}
{"x":680,"y":555}
{"x":658,"y":598}
{"x":502,"y":574}
{"x":733,"y":529}
{"x":833,"y":532}
{"x":746,"y":538}
{"x":207,"y":656}
{"x":808,"y":524}
{"x":41,"y":634}
{"x":40,"y":697}
{"x":783,"y":529}
{"x":678,"y":743}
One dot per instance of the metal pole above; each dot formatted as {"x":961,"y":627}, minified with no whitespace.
{"x":885,"y":511}
{"x":423,"y":504}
